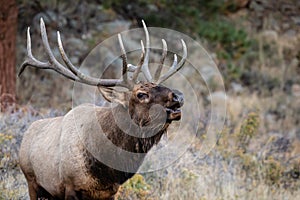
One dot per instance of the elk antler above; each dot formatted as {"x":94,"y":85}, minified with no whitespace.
{"x":174,"y":68}
{"x":73,"y":73}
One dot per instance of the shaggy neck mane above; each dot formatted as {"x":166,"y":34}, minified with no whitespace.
{"x":118,"y":122}
{"x":109,"y":119}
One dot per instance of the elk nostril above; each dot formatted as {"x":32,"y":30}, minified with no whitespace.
{"x":175,"y":97}
{"x":178,"y":97}
{"x":178,"y":100}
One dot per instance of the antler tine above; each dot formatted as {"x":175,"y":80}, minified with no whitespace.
{"x":71,"y":71}
{"x":32,"y":61}
{"x":29,"y":54}
{"x":163,"y":56}
{"x":53,"y":63}
{"x":140,"y":64}
{"x":124,"y":59}
{"x":145,"y":67}
{"x":65,"y":57}
{"x":175,"y":67}
{"x":82,"y":77}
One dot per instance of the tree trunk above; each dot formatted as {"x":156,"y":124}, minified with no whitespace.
{"x":8,"y":31}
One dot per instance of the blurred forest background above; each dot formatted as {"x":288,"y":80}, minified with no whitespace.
{"x":255,"y":44}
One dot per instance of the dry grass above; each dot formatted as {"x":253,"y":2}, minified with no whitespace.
{"x":13,"y":124}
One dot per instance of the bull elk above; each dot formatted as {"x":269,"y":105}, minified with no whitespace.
{"x":56,"y":155}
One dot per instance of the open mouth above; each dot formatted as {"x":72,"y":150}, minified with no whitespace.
{"x":173,"y":110}
{"x":173,"y":114}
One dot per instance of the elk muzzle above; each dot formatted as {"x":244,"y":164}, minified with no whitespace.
{"x":173,"y":111}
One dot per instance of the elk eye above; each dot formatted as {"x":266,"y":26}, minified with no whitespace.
{"x":141,"y":95}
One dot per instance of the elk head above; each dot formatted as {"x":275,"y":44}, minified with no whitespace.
{"x":140,"y":96}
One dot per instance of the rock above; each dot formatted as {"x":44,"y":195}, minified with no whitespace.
{"x":241,"y":3}
{"x":296,"y":19}
{"x":114,"y":27}
{"x":285,"y":26}
{"x":256,"y":6}
{"x":152,"y":7}
{"x":296,"y":90}
{"x":237,"y":88}
{"x":269,"y":35}
{"x":270,"y":120}
{"x":291,"y":33}
{"x":74,"y":59}
{"x":51,"y":17}
{"x":207,"y":72}
{"x":74,"y":23}
{"x":77,"y":44}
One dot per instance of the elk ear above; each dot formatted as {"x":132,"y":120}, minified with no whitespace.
{"x":115,"y":96}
